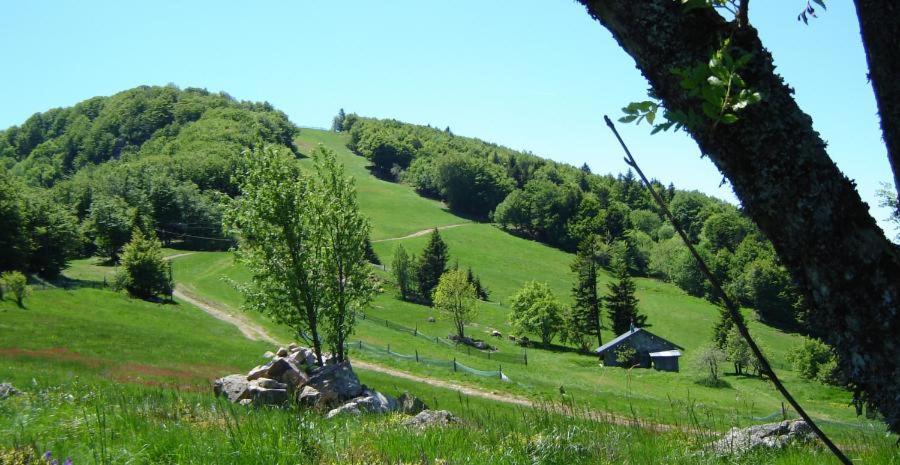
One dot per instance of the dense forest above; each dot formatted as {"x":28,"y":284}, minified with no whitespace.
{"x":563,"y":206}
{"x":77,"y":181}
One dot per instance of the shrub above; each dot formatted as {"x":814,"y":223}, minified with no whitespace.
{"x":708,"y":360}
{"x":144,"y":273}
{"x":16,"y":284}
{"x":815,"y":360}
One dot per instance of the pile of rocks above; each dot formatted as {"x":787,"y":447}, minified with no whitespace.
{"x":476,"y":343}
{"x":292,"y":374}
{"x":770,"y":435}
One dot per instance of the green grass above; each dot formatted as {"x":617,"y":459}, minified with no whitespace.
{"x":394,"y":210}
{"x":504,"y":262}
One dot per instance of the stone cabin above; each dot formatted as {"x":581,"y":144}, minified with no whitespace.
{"x":651,"y":349}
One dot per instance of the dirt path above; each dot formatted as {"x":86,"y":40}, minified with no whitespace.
{"x":421,"y":233}
{"x":250,"y":329}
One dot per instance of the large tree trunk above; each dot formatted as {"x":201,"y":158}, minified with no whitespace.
{"x":880,"y":28}
{"x":779,"y":169}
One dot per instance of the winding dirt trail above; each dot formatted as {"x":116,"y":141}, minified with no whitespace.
{"x":422,"y":232}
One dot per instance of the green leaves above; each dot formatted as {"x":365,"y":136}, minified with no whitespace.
{"x":721,"y":92}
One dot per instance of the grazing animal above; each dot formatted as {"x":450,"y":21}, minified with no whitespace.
{"x":512,"y":337}
{"x":496,"y":333}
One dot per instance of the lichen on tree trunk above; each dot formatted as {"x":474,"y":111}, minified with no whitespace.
{"x":779,"y":169}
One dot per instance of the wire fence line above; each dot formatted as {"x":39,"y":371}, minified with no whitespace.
{"x":521,"y":359}
{"x":456,"y":366}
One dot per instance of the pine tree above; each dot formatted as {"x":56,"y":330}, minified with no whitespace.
{"x":585,"y":316}
{"x":370,"y":254}
{"x":402,"y":269}
{"x":338,"y":124}
{"x":723,"y":327}
{"x":480,"y":291}
{"x":621,"y":302}
{"x":432,"y":265}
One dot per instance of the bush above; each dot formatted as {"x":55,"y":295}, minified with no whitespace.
{"x":815,"y":360}
{"x":144,"y":273}
{"x":16,"y":284}
{"x":708,"y":360}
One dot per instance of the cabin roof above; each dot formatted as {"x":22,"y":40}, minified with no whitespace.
{"x":666,"y":353}
{"x":613,"y":343}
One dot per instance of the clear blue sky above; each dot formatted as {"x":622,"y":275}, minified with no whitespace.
{"x":538,"y":75}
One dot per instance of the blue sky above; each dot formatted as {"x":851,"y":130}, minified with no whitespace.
{"x":537,"y":76}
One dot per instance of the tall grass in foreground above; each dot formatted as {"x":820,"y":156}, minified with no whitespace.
{"x":123,"y":424}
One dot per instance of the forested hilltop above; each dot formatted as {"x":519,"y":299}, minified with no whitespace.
{"x":76,"y":181}
{"x":564,"y":206}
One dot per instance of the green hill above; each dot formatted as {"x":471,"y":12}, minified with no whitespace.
{"x":111,"y":379}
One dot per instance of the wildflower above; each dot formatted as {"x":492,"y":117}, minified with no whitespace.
{"x":47,"y":455}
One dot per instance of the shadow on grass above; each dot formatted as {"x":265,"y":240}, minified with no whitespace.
{"x":718,"y":383}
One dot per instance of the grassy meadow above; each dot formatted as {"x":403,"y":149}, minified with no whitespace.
{"x":109,"y":379}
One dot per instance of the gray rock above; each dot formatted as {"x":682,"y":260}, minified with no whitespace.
{"x":369,"y":402}
{"x":263,"y":396}
{"x":282,"y":352}
{"x":350,"y":408}
{"x":261,"y":371}
{"x":279,"y":366}
{"x":294,"y":378}
{"x":303,"y":357}
{"x":336,"y":382}
{"x":410,"y":404}
{"x":292,"y":347}
{"x":7,"y":390}
{"x":268,"y":354}
{"x":267,"y":383}
{"x":770,"y":435}
{"x":233,"y":387}
{"x":309,"y":396}
{"x":431,"y":418}
{"x":431,"y":319}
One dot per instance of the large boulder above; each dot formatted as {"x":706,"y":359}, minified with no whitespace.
{"x":309,"y":396}
{"x":7,"y":390}
{"x":410,"y":404}
{"x":261,"y":371}
{"x":370,"y":402}
{"x":431,"y":418}
{"x":770,"y":435}
{"x":267,"y":383}
{"x":336,"y":383}
{"x":265,"y":396}
{"x":233,"y":387}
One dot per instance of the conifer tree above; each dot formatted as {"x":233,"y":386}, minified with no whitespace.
{"x":144,"y":273}
{"x":370,"y":254}
{"x":432,"y":265}
{"x":585,"y":316}
{"x":621,"y":302}
{"x":722,"y":328}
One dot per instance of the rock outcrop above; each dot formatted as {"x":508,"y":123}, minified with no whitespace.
{"x":292,"y":374}
{"x":770,"y":435}
{"x":431,"y":418}
{"x":7,"y":390}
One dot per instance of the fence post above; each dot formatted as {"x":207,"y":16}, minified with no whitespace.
{"x":417,"y":355}
{"x":500,"y":370}
{"x":360,"y":345}
{"x":389,"y":348}
{"x":416,"y":330}
{"x":489,"y":355}
{"x":454,"y":363}
{"x":525,"y":355}
{"x":783,"y":412}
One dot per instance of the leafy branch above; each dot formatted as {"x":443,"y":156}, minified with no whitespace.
{"x":721,"y":91}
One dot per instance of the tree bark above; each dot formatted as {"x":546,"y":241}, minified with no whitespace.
{"x":779,"y":169}
{"x":880,"y":29}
